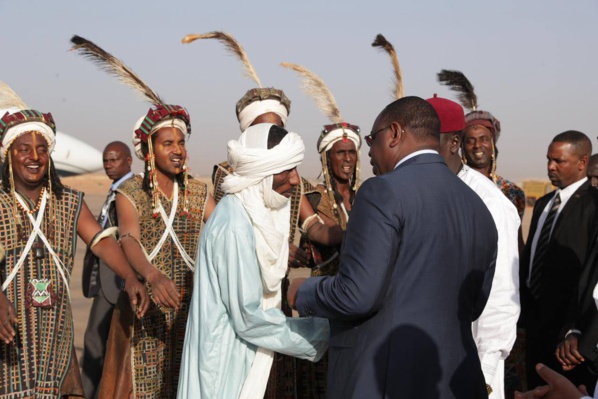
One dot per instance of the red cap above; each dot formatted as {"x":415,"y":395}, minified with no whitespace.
{"x":452,"y":117}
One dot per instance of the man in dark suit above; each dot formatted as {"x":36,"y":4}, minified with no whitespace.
{"x":99,"y":281}
{"x":417,"y":264}
{"x":563,"y":224}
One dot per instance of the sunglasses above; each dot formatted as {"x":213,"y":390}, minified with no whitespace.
{"x":370,"y":137}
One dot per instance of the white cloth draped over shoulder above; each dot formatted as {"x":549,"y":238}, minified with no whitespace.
{"x":254,"y":166}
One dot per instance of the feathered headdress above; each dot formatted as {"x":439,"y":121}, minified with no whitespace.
{"x":339,"y":130}
{"x":457,"y":81}
{"x":146,"y":125}
{"x":16,"y":118}
{"x":233,"y":47}
{"x":318,"y":91}
{"x":256,"y":101}
{"x":10,"y":99}
{"x":381,"y":42}
{"x":115,"y":67}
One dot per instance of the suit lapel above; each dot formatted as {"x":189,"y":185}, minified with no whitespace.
{"x":538,"y":209}
{"x":569,"y":206}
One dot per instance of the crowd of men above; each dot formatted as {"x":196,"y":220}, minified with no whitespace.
{"x":421,"y":285}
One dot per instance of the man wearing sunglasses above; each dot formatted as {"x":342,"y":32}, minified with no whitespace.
{"x":411,"y":279}
{"x":496,"y":329}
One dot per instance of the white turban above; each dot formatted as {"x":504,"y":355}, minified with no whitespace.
{"x":168,"y":122}
{"x":17,"y":130}
{"x":257,"y":108}
{"x":254,"y":166}
{"x":337,"y":135}
{"x":270,"y":214}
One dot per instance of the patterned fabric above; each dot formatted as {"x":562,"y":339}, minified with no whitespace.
{"x":312,"y":377}
{"x":484,"y":118}
{"x":220,"y":172}
{"x":515,"y":367}
{"x":261,"y":94}
{"x":325,"y":207}
{"x":513,"y":193}
{"x":41,"y":363}
{"x":27,"y":115}
{"x":155,"y":115}
{"x":158,"y":337}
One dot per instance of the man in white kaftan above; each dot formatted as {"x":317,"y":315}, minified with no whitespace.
{"x":495,"y":330}
{"x":235,"y":322}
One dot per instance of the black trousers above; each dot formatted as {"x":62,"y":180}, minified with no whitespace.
{"x":96,"y":336}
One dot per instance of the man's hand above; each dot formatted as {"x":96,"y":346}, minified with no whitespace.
{"x":138,"y":296}
{"x":293,"y":289}
{"x":567,"y":353}
{"x":8,"y":317}
{"x":558,"y":387}
{"x":297,"y":257}
{"x":164,"y":290}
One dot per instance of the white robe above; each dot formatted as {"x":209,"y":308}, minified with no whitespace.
{"x":226,"y":321}
{"x":496,"y":329}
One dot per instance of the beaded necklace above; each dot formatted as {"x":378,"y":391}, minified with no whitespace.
{"x":39,"y":202}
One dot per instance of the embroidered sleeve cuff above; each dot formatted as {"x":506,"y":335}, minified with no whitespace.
{"x":489,"y":363}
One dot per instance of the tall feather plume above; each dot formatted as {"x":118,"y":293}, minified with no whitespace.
{"x":457,"y":81}
{"x":233,"y":47}
{"x":381,"y":42}
{"x":318,"y":91}
{"x":114,"y":66}
{"x":9,"y":99}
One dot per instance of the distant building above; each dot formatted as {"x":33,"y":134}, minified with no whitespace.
{"x":535,"y":189}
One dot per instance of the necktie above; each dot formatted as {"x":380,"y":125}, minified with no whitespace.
{"x":103,"y":218}
{"x":542,"y":248}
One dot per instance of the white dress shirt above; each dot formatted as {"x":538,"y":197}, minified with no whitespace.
{"x":565,"y":194}
{"x":496,"y":329}
{"x":414,"y":154}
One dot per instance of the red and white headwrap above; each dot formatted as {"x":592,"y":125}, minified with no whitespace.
{"x":14,"y":122}
{"x":157,"y":118}
{"x":337,"y":132}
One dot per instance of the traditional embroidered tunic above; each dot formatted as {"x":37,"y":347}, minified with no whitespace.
{"x":513,"y":192}
{"x":157,"y":339}
{"x":312,"y":377}
{"x":328,"y":255}
{"x":41,"y":362}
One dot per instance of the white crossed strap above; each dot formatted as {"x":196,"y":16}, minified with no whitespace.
{"x":36,"y":231}
{"x":168,"y":231}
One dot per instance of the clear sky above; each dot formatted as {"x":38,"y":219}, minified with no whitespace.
{"x":532,"y":63}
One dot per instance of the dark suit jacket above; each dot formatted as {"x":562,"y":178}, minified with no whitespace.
{"x":417,"y":264}
{"x":570,"y":242}
{"x":97,"y":277}
{"x":584,"y":316}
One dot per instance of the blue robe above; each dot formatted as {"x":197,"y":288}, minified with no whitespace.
{"x":226,"y":322}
